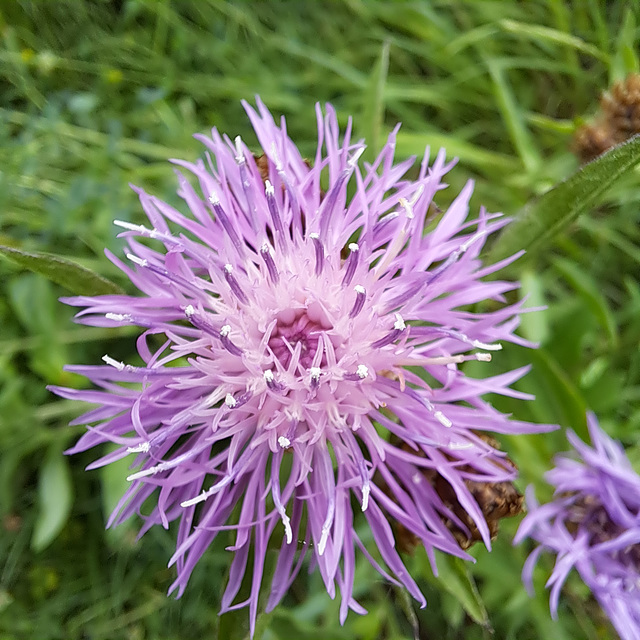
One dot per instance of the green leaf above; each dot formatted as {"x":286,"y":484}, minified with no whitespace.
{"x":625,"y":59}
{"x":511,"y":112}
{"x":55,"y":496}
{"x":113,"y":480}
{"x":455,"y":578}
{"x":536,"y":226}
{"x":373,"y":106}
{"x":587,"y":287}
{"x":72,"y":276}
{"x":534,"y":325}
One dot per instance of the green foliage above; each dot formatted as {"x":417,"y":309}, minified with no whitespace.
{"x":55,"y":495}
{"x":101,"y":93}
{"x":542,"y":221}
{"x":70,"y":275}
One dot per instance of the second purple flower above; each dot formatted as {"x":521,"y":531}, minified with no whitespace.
{"x":591,"y":525}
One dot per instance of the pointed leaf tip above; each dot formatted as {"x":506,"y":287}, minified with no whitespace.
{"x":74,"y":277}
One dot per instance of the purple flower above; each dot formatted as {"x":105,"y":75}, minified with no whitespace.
{"x":302,"y":334}
{"x":592,"y":524}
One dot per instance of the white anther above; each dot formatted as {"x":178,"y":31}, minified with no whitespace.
{"x":213,"y":198}
{"x":118,"y":317}
{"x":356,"y":156}
{"x":314,"y":236}
{"x":483,"y":357}
{"x":406,"y":205}
{"x":239,"y":153}
{"x":315,"y":373}
{"x":268,"y":375}
{"x":442,"y":419}
{"x":143,"y":447}
{"x":120,"y":366}
{"x":399,"y":324}
{"x":228,"y":268}
{"x":189,"y":310}
{"x":353,"y":246}
{"x":455,"y":446}
{"x":323,"y":540}
{"x":200,"y":498}
{"x":268,"y":188}
{"x":129,"y":226}
{"x":416,"y":196}
{"x":284,"y":442}
{"x":359,"y":289}
{"x":142,"y":474}
{"x":225,"y":331}
{"x":230,"y":401}
{"x":487,"y":347}
{"x":362,"y":371}
{"x":139,"y":261}
{"x":287,"y":527}
{"x":366,"y":490}
{"x":276,"y":157}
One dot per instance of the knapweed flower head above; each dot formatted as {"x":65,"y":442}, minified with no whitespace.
{"x":303,"y":327}
{"x":593,"y":525}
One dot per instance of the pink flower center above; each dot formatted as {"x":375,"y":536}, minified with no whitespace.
{"x":287,"y":336}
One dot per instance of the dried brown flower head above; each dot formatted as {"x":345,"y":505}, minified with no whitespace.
{"x":496,"y":500}
{"x":619,"y":119}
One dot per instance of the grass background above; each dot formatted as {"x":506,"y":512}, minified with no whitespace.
{"x":97,"y":94}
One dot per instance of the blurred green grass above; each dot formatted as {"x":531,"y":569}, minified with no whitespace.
{"x":97,"y":94}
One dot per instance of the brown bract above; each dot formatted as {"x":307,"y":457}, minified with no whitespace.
{"x":496,"y":500}
{"x":262,"y":162}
